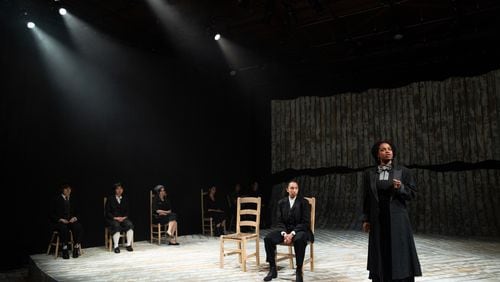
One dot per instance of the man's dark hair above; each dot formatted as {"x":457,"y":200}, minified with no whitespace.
{"x":116,"y":185}
{"x":64,"y":186}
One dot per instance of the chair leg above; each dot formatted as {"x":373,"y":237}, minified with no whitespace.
{"x":244,"y":254}
{"x":290,"y":256}
{"x":257,"y":255}
{"x":211,"y":228}
{"x":57,"y":246}
{"x":50,"y":243}
{"x":105,"y":238}
{"x":221,"y":254}
{"x":110,"y":241}
{"x":159,"y":233}
{"x":311,"y":255}
{"x":239,"y":254}
{"x":71,"y":241}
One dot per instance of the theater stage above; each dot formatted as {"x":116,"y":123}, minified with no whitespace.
{"x":339,"y":256}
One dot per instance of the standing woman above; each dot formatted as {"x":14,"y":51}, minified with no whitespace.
{"x":162,"y":213}
{"x":392,"y":255}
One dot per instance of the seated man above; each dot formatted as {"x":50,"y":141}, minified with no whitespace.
{"x":64,"y":218}
{"x":293,"y":226}
{"x":162,"y":213}
{"x":117,"y":209}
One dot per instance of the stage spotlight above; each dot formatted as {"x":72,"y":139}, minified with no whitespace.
{"x":62,"y":11}
{"x":398,"y":36}
{"x":217,"y":36}
{"x":30,"y":25}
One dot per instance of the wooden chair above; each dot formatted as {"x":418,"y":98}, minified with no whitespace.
{"x":108,"y":237}
{"x":55,"y":242}
{"x":290,"y":255}
{"x":207,"y":226}
{"x":207,"y":223}
{"x":157,"y":231}
{"x":241,"y":238}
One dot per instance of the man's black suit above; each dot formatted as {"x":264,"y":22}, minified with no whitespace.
{"x":297,"y":219}
{"x":115,"y":209}
{"x":66,"y":209}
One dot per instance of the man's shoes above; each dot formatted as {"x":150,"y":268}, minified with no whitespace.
{"x":173,"y":243}
{"x":76,"y":252}
{"x":273,"y":273}
{"x":129,"y":248}
{"x":65,"y":254}
{"x":298,"y":275}
{"x":117,"y":250}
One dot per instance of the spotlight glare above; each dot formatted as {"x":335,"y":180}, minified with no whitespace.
{"x":62,"y":11}
{"x":217,"y":36}
{"x":31,"y":25}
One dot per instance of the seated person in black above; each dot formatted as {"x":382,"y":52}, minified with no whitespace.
{"x":214,"y":209}
{"x":117,"y":212}
{"x":293,"y":227}
{"x":64,"y":218}
{"x":162,"y":212}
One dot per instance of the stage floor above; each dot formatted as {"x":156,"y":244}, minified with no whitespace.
{"x":339,"y":256}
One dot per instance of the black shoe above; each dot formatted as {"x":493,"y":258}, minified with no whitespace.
{"x":65,"y":254}
{"x":298,"y":276}
{"x":76,"y":252}
{"x":273,"y":273}
{"x":117,"y":250}
{"x":129,"y":248}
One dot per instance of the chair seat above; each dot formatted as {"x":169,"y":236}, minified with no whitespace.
{"x":239,"y":236}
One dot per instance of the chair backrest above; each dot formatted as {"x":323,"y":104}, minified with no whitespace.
{"x":151,"y":207}
{"x":312,"y":202}
{"x":254,"y":220}
{"x":203,"y":194}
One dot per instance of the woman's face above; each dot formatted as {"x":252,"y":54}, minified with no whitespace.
{"x":163,"y":193}
{"x":118,"y":191}
{"x":213,"y":189}
{"x":384,"y":152}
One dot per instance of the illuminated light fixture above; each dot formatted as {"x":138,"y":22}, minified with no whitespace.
{"x":217,"y":36}
{"x":398,"y":36}
{"x":62,"y":11}
{"x":31,"y":25}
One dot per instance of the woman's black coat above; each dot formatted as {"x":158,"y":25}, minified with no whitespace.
{"x":404,"y":255}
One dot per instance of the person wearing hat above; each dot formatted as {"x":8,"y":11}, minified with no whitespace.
{"x":162,"y":213}
{"x":65,"y":219}
{"x":117,"y":217}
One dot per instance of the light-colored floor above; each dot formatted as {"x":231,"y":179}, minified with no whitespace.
{"x":339,"y":256}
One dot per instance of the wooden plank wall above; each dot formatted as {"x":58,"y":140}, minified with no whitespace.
{"x":433,"y":123}
{"x":465,"y":203}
